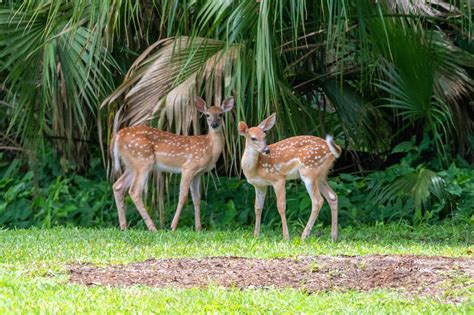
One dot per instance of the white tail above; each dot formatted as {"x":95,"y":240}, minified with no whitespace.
{"x":306,"y":157}
{"x":334,"y":148}
{"x":142,"y":148}
{"x":115,"y":154}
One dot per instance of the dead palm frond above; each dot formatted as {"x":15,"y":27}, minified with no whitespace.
{"x":163,"y":83}
{"x":422,"y":7}
{"x":455,"y":12}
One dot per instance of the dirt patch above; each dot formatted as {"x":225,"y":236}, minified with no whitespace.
{"x":418,"y":275}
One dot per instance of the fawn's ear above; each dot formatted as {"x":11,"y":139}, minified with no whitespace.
{"x":242,"y":128}
{"x":227,"y":104}
{"x":268,"y":122}
{"x":200,"y":104}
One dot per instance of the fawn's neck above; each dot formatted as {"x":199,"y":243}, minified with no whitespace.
{"x":216,"y":142}
{"x":249,"y":161}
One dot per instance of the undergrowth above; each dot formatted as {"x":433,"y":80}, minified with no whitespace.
{"x":411,"y":191}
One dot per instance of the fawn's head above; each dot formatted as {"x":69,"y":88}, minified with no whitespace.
{"x":255,"y":137}
{"x":214,"y":113}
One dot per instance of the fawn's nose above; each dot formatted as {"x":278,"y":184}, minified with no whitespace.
{"x":214,"y":125}
{"x":266,"y":150}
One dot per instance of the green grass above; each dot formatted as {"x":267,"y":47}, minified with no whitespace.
{"x":33,"y":269}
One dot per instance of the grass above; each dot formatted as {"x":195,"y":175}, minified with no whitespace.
{"x":33,"y":269}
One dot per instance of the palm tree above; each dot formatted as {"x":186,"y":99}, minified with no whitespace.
{"x":351,"y":67}
{"x":58,"y":60}
{"x":370,"y":72}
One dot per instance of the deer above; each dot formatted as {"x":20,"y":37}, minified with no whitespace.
{"x":307,"y":157}
{"x":142,"y":148}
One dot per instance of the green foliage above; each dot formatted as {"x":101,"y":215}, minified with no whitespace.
{"x":372,"y":74}
{"x":46,"y":198}
{"x":417,"y":193}
{"x":56,"y":72}
{"x":410,"y":191}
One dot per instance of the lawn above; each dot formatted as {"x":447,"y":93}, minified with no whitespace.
{"x":34,"y":270}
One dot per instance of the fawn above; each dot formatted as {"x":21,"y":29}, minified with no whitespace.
{"x":307,"y":157}
{"x":142,"y":148}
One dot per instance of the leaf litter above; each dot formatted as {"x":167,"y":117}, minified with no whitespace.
{"x":433,"y":276}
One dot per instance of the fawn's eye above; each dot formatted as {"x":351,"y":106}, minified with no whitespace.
{"x":208,"y":115}
{"x":253,"y":139}
{"x":220,"y":115}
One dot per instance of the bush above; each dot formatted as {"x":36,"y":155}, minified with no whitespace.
{"x":55,"y":195}
{"x":47,"y":198}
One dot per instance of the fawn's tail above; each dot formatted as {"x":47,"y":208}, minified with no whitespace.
{"x":333,"y":147}
{"x":114,"y":153}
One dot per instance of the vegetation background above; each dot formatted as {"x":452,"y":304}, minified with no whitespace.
{"x":391,"y":80}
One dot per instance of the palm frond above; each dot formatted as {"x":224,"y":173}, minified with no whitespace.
{"x":56,"y":76}
{"x":412,"y":73}
{"x":167,"y":80}
{"x":430,"y":7}
{"x":419,"y":185}
{"x":356,"y":114}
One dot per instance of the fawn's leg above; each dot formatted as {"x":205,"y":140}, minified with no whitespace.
{"x":316,"y":203}
{"x":260,"y":193}
{"x":331,"y":198}
{"x":279,"y":187}
{"x":186,"y":178}
{"x":119,"y":188}
{"x":139,"y":180}
{"x":196,"y":195}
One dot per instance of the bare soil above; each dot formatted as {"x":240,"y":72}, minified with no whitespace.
{"x":415,"y":275}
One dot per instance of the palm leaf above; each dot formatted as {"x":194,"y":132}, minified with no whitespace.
{"x":166,"y":81}
{"x":419,"y":185}
{"x":355,"y":114}
{"x":56,"y":75}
